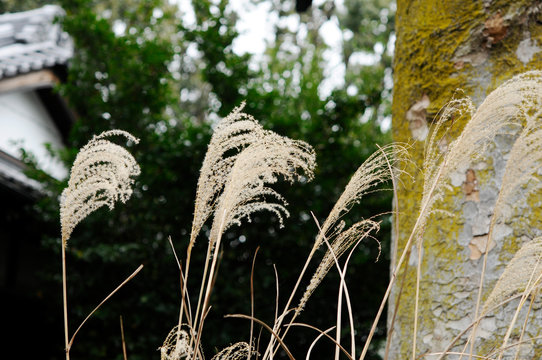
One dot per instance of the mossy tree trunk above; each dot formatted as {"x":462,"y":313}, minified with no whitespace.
{"x":443,"y":46}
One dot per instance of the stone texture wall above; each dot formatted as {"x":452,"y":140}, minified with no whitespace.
{"x":442,"y":46}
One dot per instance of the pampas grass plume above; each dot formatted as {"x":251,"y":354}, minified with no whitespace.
{"x":523,"y":273}
{"x":101,"y":175}
{"x":232,"y":134}
{"x":265,"y":161}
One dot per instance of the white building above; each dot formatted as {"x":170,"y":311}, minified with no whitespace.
{"x":34,"y":52}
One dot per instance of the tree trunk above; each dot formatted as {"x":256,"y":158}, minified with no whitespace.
{"x":441,"y":46}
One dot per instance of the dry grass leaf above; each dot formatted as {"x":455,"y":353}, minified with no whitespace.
{"x":100,"y":176}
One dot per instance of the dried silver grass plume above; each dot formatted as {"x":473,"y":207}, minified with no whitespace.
{"x":177,"y":345}
{"x":237,"y":351}
{"x":100,"y":176}
{"x":375,"y":170}
{"x":264,"y":162}
{"x":523,"y":273}
{"x":501,"y":109}
{"x":341,"y":243}
{"x":232,"y":134}
{"x":525,"y":156}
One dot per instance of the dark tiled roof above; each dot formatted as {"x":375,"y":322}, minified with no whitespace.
{"x":31,"y":41}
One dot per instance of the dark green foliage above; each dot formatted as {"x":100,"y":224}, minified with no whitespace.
{"x":123,"y":81}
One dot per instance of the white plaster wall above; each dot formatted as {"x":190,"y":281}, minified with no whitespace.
{"x":24,"y":122}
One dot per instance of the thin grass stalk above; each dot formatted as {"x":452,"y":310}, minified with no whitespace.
{"x":477,"y":321}
{"x":339,"y":306}
{"x":328,"y":336}
{"x":276,"y":316}
{"x":277,"y":293}
{"x":342,"y":288}
{"x":500,"y":350}
{"x":469,"y":341}
{"x":184,"y":289}
{"x":351,"y":320}
{"x":409,"y":242}
{"x":103,"y":301}
{"x":315,"y":341}
{"x":277,"y":325}
{"x":488,"y":356}
{"x":348,"y":302}
{"x":481,"y":284}
{"x":258,"y":342}
{"x":461,"y":354}
{"x":268,"y":328}
{"x":124,"y":353}
{"x":252,"y":302}
{"x":396,"y":205}
{"x":185,"y":299}
{"x":347,"y":296}
{"x":209,"y":280}
{"x":219,"y":261}
{"x":65,"y":301}
{"x":520,"y":305}
{"x":394,"y":252}
{"x":416,"y":301}
{"x":524,"y":327}
{"x":212,"y":273}
{"x":339,"y":301}
{"x":395,"y":311}
{"x":184,"y":295}
{"x":200,"y":297}
{"x":464,"y":331}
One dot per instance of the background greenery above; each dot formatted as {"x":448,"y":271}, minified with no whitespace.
{"x":167,"y":82}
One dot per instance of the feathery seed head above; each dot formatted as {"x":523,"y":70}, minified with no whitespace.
{"x":261,"y":163}
{"x":232,"y":134}
{"x":523,"y":273}
{"x":100,"y":176}
{"x":525,"y":157}
{"x":240,"y":159}
{"x":372,"y":172}
{"x":176,"y":346}
{"x":502,"y":109}
{"x":375,"y":170}
{"x":343,"y":240}
{"x":237,"y":351}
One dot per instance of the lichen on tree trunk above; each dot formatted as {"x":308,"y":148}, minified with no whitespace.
{"x":443,"y":46}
